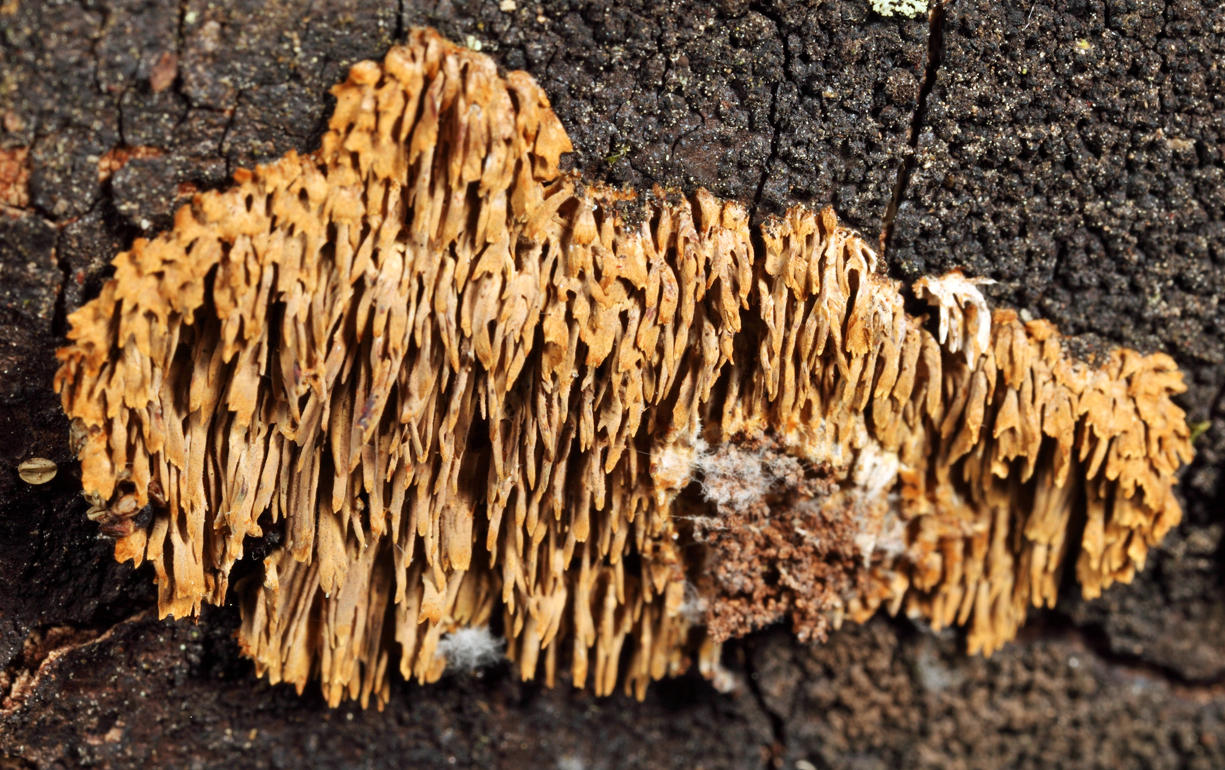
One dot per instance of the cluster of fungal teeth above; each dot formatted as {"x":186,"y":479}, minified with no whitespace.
{"x":470,"y":392}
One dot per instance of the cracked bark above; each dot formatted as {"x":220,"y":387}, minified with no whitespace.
{"x":766,"y":167}
{"x":41,"y":650}
{"x":935,"y":51}
{"x":769,"y":102}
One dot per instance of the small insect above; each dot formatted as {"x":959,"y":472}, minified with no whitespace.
{"x":123,"y":516}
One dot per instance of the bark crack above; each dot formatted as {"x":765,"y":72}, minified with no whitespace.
{"x":223,"y":149}
{"x":42,"y":649}
{"x":935,"y":55}
{"x":1095,"y":641}
{"x":775,"y":132}
{"x":777,"y":752}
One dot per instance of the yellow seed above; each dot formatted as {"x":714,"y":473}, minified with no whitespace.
{"x":36,"y":470}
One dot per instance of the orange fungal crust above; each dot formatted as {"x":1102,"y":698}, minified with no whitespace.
{"x":468,"y":390}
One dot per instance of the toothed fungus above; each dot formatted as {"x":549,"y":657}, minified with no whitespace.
{"x":469,"y":390}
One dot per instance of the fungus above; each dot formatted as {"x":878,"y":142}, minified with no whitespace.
{"x":471,"y":393}
{"x":467,"y":649}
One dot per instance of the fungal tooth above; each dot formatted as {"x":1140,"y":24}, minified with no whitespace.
{"x":458,"y":386}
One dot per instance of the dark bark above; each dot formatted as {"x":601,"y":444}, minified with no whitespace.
{"x":1070,"y":149}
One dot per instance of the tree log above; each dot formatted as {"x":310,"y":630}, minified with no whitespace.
{"x":1072,"y":150}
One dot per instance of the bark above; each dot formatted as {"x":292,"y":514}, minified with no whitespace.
{"x":1073,"y":150}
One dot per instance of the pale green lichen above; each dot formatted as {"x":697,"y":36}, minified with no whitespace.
{"x":910,"y":8}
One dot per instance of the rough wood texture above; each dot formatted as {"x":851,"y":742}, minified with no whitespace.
{"x":1120,"y":174}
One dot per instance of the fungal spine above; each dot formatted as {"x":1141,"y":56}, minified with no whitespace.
{"x":472,"y":393}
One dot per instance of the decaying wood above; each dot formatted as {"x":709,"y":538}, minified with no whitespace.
{"x":471,"y":390}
